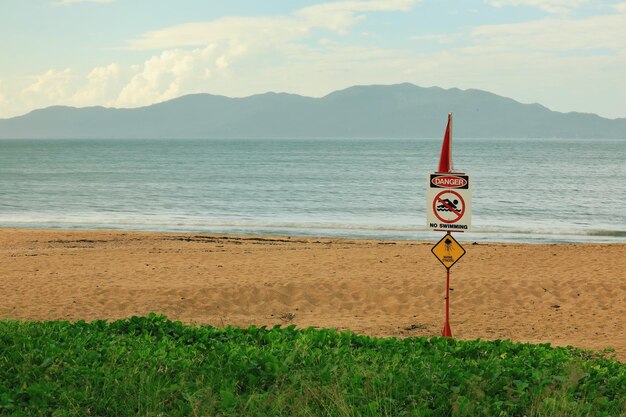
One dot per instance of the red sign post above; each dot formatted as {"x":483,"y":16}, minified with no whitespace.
{"x":448,"y":251}
{"x":449,"y":194}
{"x":447,"y":331}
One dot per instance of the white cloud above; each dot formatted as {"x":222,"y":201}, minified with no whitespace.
{"x":340,"y":16}
{"x":238,"y":48}
{"x":71,"y":2}
{"x":3,"y":99}
{"x":550,"y":6}
{"x":555,"y":35}
{"x":51,"y":86}
{"x":227,"y":29}
{"x":566,"y":64}
{"x":98,"y":88}
{"x":229,"y":51}
{"x":337,"y":17}
{"x":448,"y":38}
{"x":173,"y":73}
{"x":56,"y":87}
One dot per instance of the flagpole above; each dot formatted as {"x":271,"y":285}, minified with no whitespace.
{"x":451,"y":136}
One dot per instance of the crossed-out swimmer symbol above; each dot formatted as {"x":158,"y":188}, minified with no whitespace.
{"x":448,"y":205}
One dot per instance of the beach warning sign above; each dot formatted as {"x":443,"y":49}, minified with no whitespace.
{"x":448,"y":251}
{"x":448,"y":202}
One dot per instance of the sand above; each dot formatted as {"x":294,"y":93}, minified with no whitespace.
{"x":571,"y":294}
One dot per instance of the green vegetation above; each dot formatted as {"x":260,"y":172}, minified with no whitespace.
{"x":150,"y":366}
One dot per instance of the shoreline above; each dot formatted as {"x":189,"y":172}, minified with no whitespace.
{"x":364,"y":233}
{"x":563,"y":294}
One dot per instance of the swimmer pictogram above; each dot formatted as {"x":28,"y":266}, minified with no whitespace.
{"x":449,"y":206}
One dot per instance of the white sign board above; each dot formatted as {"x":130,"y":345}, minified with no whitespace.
{"x":449,"y":202}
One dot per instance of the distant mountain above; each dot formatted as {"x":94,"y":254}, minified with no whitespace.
{"x":402,"y":110}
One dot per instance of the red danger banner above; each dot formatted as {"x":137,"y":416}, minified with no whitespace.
{"x":460,"y":181}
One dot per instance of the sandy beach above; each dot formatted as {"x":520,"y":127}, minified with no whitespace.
{"x":571,"y":294}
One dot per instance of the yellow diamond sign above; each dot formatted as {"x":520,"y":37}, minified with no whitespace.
{"x":448,"y":251}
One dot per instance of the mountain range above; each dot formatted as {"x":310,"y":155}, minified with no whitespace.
{"x":376,"y":111}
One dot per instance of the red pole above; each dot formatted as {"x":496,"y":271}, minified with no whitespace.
{"x":445,"y":165}
{"x":447,"y":332}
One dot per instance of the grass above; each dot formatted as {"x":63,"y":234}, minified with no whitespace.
{"x":150,"y":366}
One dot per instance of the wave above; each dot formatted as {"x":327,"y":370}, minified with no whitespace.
{"x":612,"y":233}
{"x":549,"y":231}
{"x":364,"y":228}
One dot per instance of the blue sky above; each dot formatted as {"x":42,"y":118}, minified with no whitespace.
{"x":569,"y":55}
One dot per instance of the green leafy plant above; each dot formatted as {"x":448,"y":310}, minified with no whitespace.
{"x":152,"y":366}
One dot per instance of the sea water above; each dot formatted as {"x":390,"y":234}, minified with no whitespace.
{"x":524,"y":190}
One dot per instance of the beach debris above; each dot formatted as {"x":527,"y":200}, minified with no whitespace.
{"x":416,"y":326}
{"x":287,"y":317}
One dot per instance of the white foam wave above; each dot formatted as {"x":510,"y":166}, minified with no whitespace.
{"x":351,"y":228}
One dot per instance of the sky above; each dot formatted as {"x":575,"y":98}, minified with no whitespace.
{"x":568,"y":55}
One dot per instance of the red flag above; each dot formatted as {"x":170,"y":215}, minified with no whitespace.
{"x":445,"y":161}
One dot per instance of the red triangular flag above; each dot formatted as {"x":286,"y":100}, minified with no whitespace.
{"x":445,"y":161}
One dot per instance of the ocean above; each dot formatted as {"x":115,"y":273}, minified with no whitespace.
{"x":524,"y":190}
